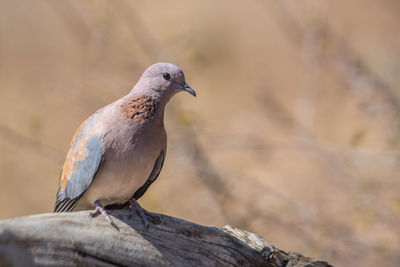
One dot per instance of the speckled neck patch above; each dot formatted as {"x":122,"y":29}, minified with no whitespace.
{"x":139,"y":108}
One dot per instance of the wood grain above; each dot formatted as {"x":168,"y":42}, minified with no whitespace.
{"x":75,"y":239}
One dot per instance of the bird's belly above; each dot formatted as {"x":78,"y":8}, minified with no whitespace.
{"x":118,"y":180}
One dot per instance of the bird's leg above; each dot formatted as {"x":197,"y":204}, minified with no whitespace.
{"x":100,"y":209}
{"x":135,"y":207}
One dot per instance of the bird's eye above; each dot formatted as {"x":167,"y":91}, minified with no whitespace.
{"x":166,"y":76}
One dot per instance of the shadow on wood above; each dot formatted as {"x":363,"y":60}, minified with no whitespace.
{"x":75,"y":239}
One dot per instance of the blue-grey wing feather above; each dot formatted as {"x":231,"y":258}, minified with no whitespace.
{"x":83,"y":162}
{"x":86,"y":169}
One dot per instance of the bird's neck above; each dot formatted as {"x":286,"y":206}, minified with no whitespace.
{"x":143,"y":108}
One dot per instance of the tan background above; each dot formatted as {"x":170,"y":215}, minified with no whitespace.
{"x":294,"y":133}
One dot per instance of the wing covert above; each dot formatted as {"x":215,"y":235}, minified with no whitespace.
{"x":81,"y":165}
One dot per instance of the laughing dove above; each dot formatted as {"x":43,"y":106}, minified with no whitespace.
{"x":118,"y":152}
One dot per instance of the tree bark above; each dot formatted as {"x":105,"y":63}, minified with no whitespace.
{"x":75,"y":239}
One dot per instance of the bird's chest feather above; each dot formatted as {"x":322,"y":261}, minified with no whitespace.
{"x":127,"y":164}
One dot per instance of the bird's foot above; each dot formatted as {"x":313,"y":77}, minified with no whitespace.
{"x":136,"y":208}
{"x":100,"y":209}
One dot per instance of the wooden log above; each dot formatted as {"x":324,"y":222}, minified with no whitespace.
{"x":75,"y":239}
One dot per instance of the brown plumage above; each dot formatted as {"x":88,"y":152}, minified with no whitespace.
{"x":139,"y":108}
{"x":118,"y":152}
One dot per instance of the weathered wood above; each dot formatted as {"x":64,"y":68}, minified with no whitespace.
{"x":75,"y":239}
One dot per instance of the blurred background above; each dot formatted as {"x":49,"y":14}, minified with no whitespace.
{"x":294,"y":134}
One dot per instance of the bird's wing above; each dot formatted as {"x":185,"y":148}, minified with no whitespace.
{"x":81,"y":165}
{"x":153,"y":175}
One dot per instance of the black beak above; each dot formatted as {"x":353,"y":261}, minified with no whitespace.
{"x":188,"y":89}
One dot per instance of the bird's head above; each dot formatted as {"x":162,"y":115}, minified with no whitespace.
{"x":163,"y":80}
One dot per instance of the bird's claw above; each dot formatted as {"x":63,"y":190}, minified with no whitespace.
{"x":99,"y":209}
{"x":136,"y":208}
{"x":94,"y":213}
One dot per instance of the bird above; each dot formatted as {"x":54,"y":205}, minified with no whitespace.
{"x":119,"y":151}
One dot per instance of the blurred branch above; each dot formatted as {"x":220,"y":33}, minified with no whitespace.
{"x":277,"y":112}
{"x":202,"y":165}
{"x":223,"y":192}
{"x":147,"y":42}
{"x":24,"y":141}
{"x":75,"y":22}
{"x":376,"y":96}
{"x":311,"y":55}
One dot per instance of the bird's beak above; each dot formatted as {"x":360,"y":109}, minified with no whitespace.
{"x":188,"y":89}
